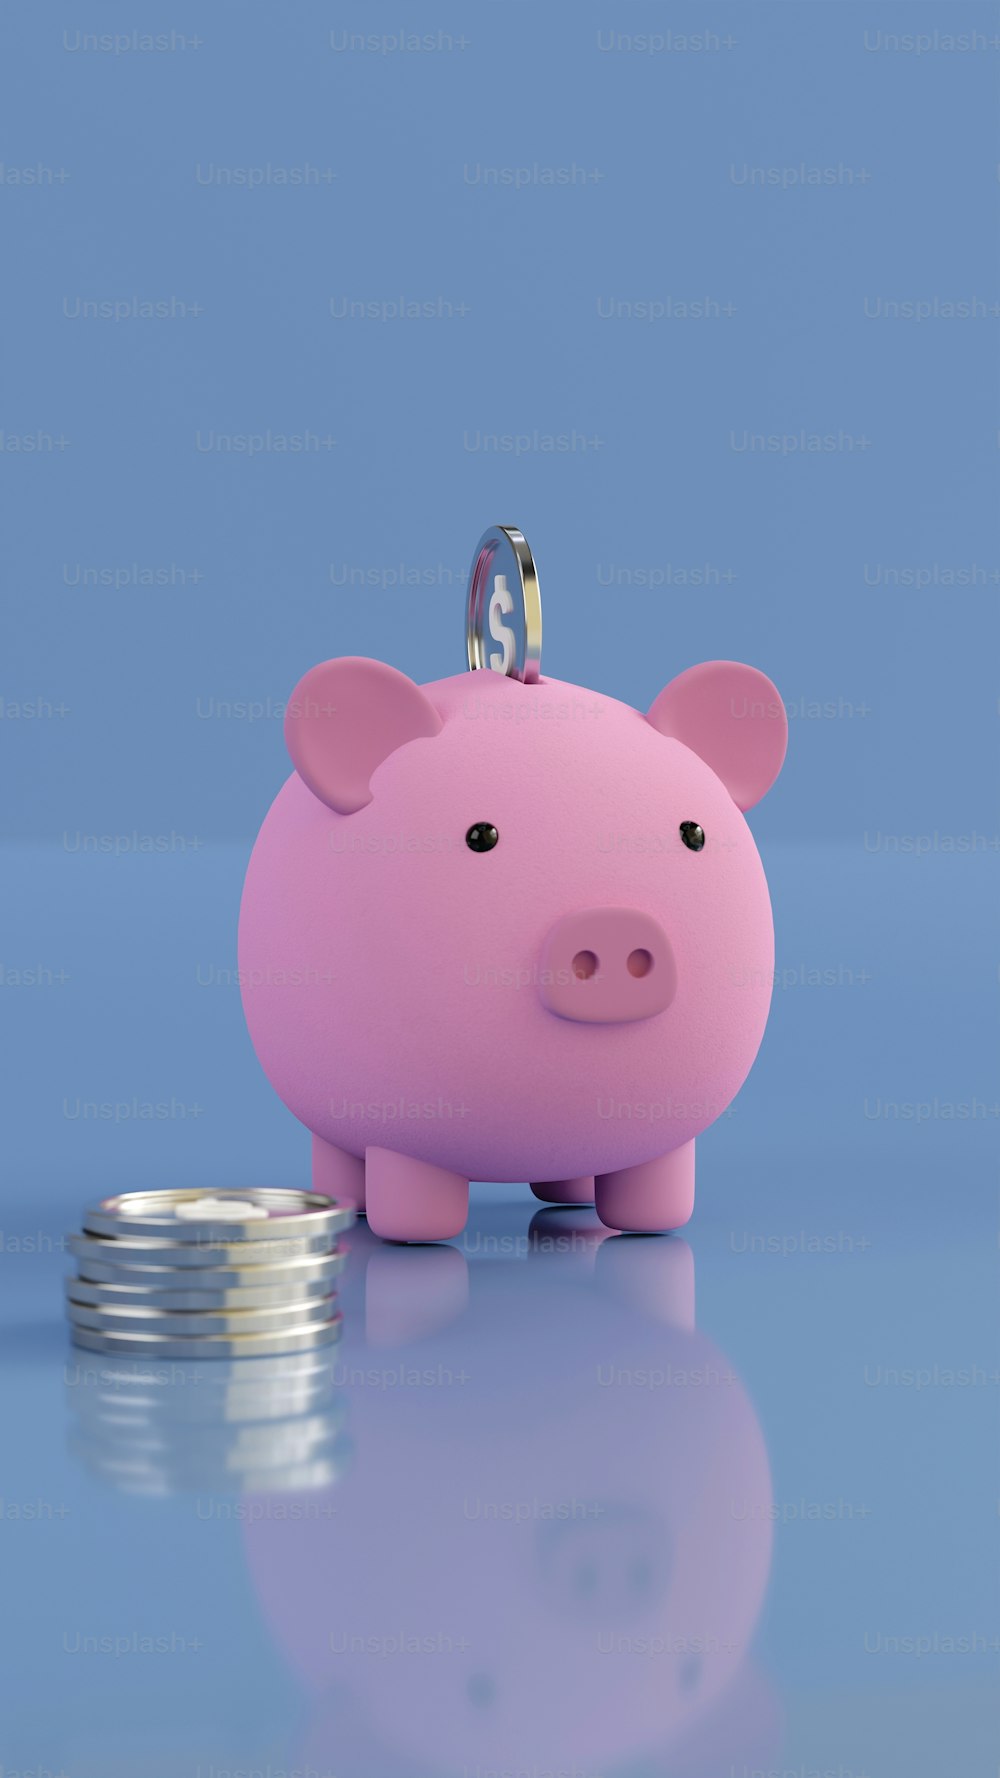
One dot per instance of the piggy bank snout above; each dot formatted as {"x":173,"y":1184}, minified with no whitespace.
{"x":606,"y":966}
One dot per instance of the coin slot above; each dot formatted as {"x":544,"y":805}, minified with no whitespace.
{"x":584,"y":965}
{"x":639,"y":963}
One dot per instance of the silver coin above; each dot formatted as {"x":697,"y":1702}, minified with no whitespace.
{"x":311,"y":1271}
{"x":185,"y":1322}
{"x":158,"y":1296}
{"x":263,"y":1345}
{"x":207,"y":1218}
{"x":503,"y":614}
{"x":137,"y":1251}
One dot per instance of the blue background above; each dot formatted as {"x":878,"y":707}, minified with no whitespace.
{"x":164,"y":595}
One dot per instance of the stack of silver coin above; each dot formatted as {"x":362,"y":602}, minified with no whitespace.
{"x":186,"y":1274}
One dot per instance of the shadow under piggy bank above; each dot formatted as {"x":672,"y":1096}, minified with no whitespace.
{"x":553,"y":1544}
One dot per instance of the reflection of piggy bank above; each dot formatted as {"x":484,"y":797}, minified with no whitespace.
{"x":528,"y":1569}
{"x":501,"y":931}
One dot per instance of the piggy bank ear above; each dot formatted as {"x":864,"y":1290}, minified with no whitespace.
{"x":344,"y":718}
{"x":733,"y":718}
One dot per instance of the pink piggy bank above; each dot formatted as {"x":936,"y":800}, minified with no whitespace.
{"x":502,"y":931}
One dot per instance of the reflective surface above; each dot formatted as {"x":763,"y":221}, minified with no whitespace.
{"x":561,"y":1502}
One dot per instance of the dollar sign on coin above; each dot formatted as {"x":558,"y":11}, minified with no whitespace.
{"x":503,"y":622}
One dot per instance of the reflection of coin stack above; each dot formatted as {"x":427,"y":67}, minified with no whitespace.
{"x":153,"y":1427}
{"x":168,"y":1276}
{"x":178,"y":1274}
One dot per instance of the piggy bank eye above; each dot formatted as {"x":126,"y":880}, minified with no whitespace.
{"x":692,"y":835}
{"x":481,"y":837}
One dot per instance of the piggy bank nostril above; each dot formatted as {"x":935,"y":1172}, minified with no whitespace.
{"x":639,"y":962}
{"x":607,"y":966}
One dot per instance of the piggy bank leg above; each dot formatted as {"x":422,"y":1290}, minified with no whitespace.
{"x":565,"y":1191}
{"x":337,"y":1174}
{"x":649,"y":1199}
{"x":410,"y":1200}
